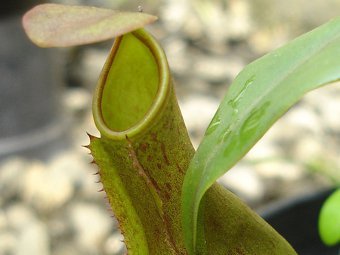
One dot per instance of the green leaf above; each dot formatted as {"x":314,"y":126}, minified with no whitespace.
{"x":329,"y":220}
{"x":260,"y":94}
{"x":56,"y":25}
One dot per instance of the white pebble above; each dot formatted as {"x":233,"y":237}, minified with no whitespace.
{"x":19,"y":216}
{"x":46,"y":189}
{"x":8,"y":242}
{"x":33,"y":239}
{"x":280,"y":169}
{"x":115,"y":245}
{"x":244,"y":181}
{"x":92,"y":225}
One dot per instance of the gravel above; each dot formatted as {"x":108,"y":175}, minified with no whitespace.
{"x":52,"y":207}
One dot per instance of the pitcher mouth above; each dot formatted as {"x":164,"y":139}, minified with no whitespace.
{"x":116,"y":114}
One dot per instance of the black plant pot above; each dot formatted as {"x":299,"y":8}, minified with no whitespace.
{"x":30,"y":84}
{"x":17,"y":7}
{"x":297,"y":220}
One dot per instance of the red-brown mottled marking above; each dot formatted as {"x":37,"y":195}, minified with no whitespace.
{"x":168,"y":186}
{"x":164,"y":154}
{"x":149,"y":181}
{"x":179,"y":168}
{"x":143,"y":147}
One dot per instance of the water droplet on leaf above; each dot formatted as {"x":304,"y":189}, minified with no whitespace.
{"x":212,"y":127}
{"x":234,"y":102}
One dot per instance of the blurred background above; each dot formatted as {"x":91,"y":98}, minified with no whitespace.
{"x":49,"y":204}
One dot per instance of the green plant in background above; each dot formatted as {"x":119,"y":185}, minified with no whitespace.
{"x":329,"y":220}
{"x":162,"y":192}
